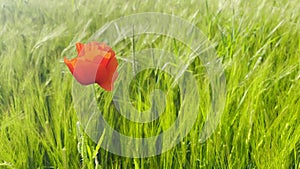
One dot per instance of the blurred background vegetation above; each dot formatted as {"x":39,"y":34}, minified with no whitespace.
{"x":258,"y":42}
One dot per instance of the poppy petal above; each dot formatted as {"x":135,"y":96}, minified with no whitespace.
{"x":70,"y":63}
{"x":79,"y":47}
{"x":85,"y":72}
{"x":106,"y":86}
{"x":96,"y":63}
{"x":112,"y":64}
{"x":108,"y":56}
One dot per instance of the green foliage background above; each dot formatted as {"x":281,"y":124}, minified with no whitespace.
{"x":258,"y":42}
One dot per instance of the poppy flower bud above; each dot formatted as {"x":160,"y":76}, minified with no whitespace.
{"x":96,"y":63}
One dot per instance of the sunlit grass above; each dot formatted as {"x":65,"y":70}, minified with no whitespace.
{"x":258,"y":42}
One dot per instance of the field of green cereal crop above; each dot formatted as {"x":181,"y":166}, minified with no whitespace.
{"x":257,"y":43}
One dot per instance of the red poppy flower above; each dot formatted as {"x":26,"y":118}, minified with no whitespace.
{"x":96,"y":63}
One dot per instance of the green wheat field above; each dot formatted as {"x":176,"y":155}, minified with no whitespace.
{"x":258,"y":43}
